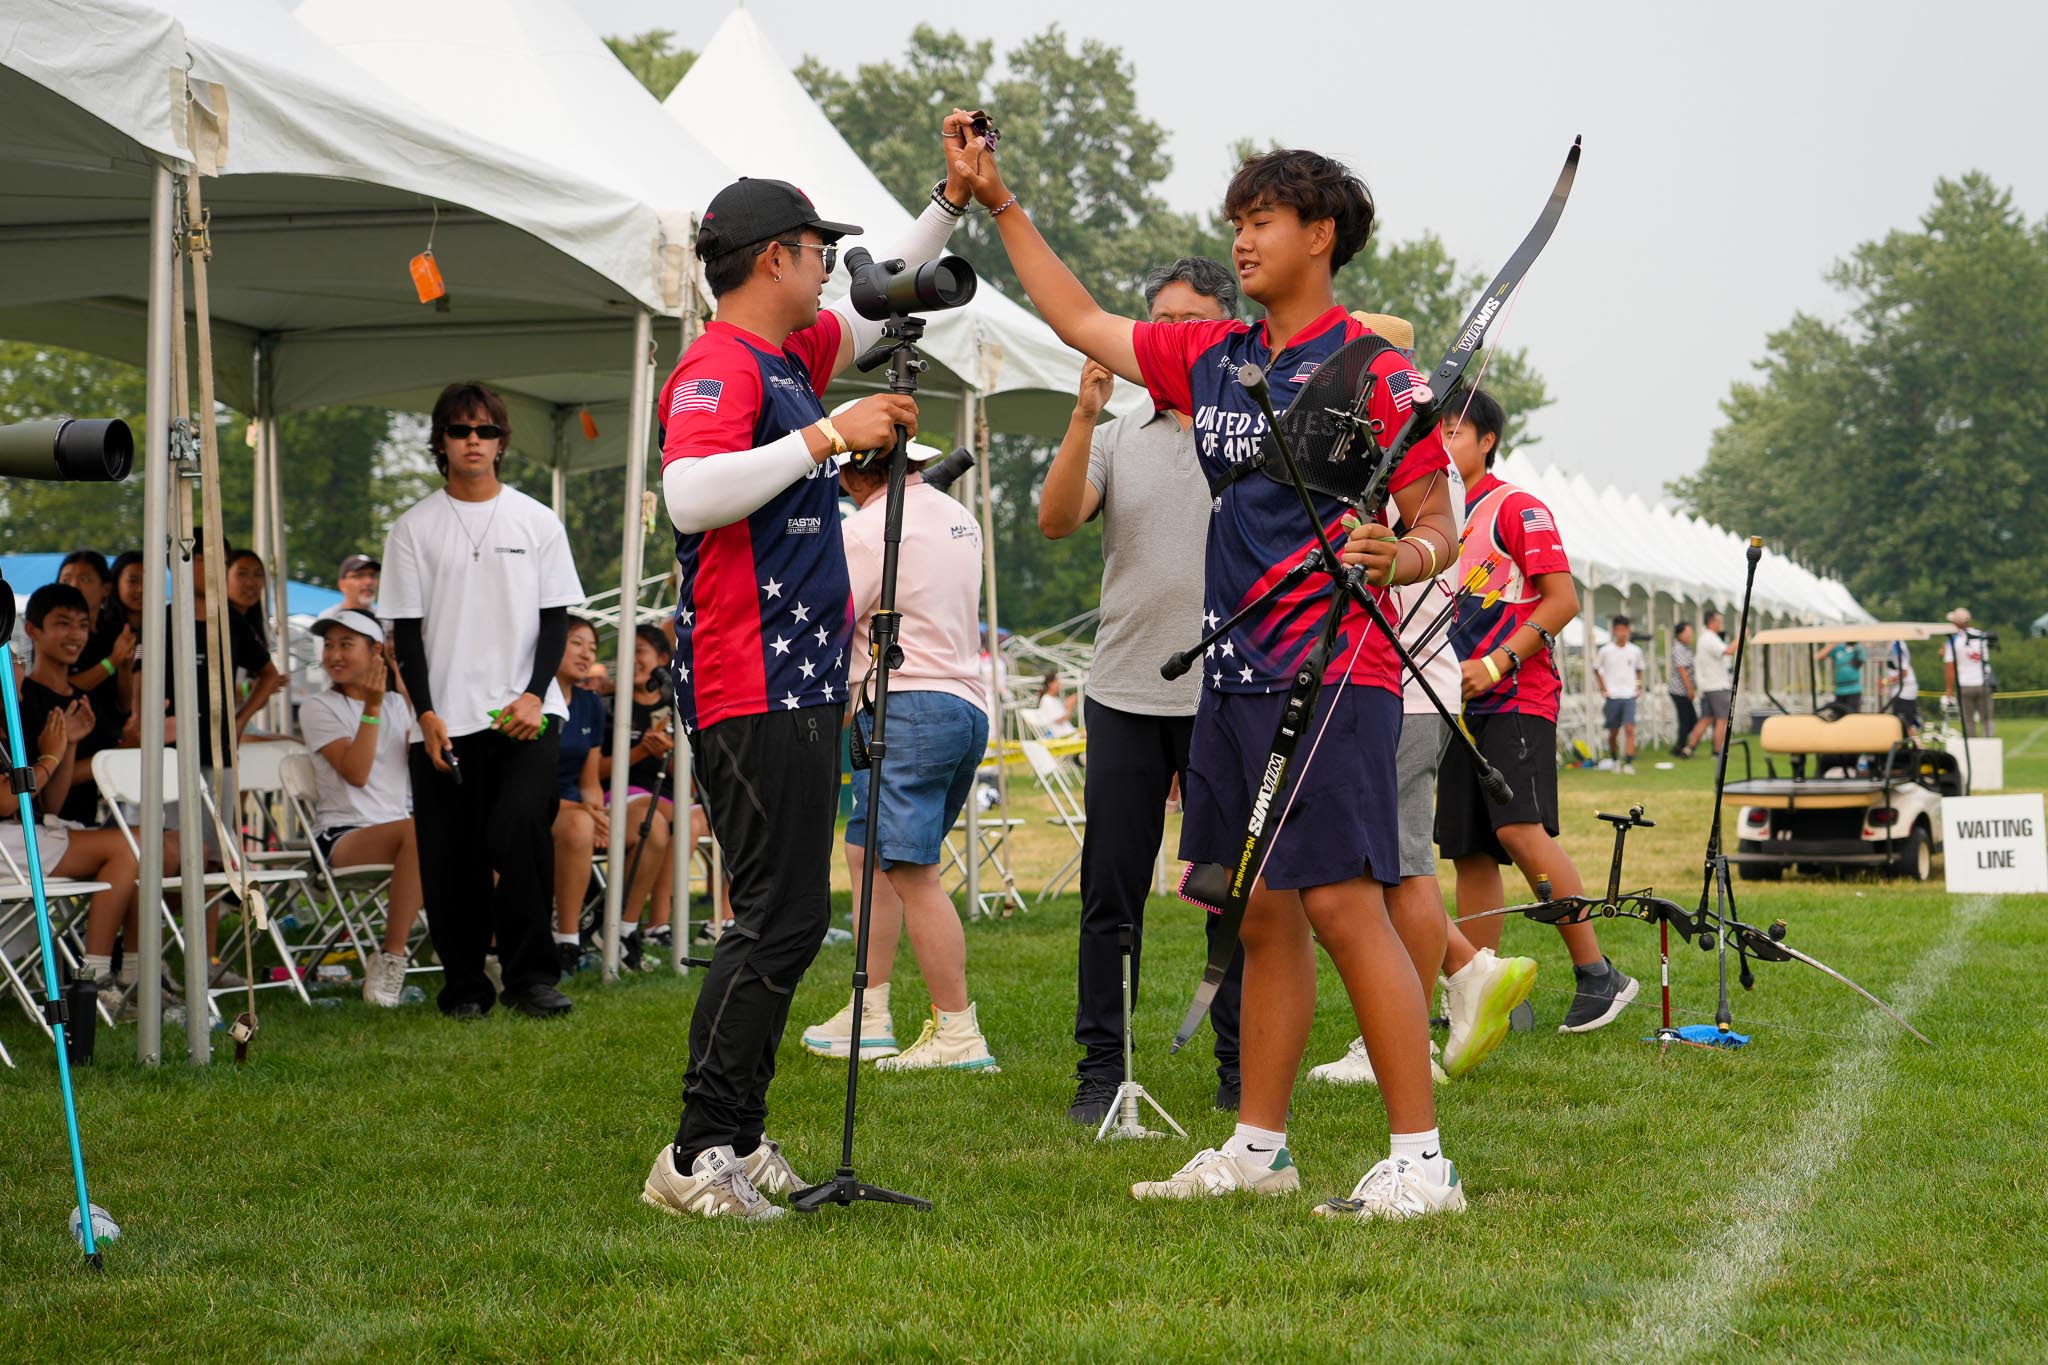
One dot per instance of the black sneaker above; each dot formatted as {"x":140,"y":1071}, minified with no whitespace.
{"x":468,"y":1012}
{"x":1229,"y":1092}
{"x":1092,"y":1098}
{"x":1522,"y":1018}
{"x":660,"y":936}
{"x":630,"y":959}
{"x":1603,"y":992}
{"x":538,"y":1001}
{"x":569,"y":957}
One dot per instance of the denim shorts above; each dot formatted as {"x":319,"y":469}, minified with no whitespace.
{"x":936,"y":741}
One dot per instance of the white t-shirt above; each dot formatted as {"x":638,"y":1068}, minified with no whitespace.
{"x":1899,"y":679}
{"x":477,"y":576}
{"x":1965,"y":649}
{"x":1419,"y":604}
{"x":1620,"y":668}
{"x":386,"y":796}
{"x":1712,"y":658}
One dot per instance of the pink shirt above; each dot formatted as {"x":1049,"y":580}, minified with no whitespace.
{"x":938,"y":592}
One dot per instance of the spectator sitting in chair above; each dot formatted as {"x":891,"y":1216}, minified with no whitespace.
{"x":1052,"y":714}
{"x":651,"y":737}
{"x":358,"y":732}
{"x":61,"y":725}
{"x":111,"y":646}
{"x":581,"y":823}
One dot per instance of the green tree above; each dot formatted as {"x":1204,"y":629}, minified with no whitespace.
{"x":653,"y":59}
{"x":1901,"y":449}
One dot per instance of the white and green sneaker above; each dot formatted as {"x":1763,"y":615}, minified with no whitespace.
{"x":1481,"y":996}
{"x":950,"y":1042}
{"x":1355,"y":1068}
{"x":834,"y":1037}
{"x":1397,"y":1188}
{"x":1214,"y":1172}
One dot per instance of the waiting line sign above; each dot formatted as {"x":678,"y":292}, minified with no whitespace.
{"x":1995,"y":845}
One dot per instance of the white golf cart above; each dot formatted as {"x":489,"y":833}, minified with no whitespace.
{"x":1855,"y":793}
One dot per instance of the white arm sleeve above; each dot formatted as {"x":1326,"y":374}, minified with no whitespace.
{"x":717,"y":490}
{"x":921,"y":242}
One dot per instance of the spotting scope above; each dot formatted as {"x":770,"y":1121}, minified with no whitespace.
{"x":92,"y":449}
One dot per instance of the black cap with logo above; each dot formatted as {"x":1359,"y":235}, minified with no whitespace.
{"x":749,"y":211}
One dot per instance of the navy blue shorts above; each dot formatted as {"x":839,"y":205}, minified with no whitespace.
{"x":1344,"y":821}
{"x":936,"y":741}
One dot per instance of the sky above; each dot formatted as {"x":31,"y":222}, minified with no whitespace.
{"x":1733,"y":152}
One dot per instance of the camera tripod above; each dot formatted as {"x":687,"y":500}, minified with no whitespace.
{"x":897,"y":349}
{"x":1125,"y":1119}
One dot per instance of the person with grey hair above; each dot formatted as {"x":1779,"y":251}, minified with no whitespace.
{"x":1140,"y":475}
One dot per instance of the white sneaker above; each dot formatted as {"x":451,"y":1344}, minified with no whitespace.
{"x":1629,"y":767}
{"x":491,"y":972}
{"x":1213,"y":1172}
{"x":1481,"y":995}
{"x":1397,"y":1188}
{"x":383,"y":979}
{"x":957,"y":1045}
{"x":768,"y":1170}
{"x":716,"y":1187}
{"x":835,"y":1036}
{"x":1355,"y":1068}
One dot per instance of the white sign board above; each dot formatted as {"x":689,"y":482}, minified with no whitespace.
{"x":1995,"y":845}
{"x":1983,"y":762}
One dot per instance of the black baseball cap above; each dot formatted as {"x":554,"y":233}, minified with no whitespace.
{"x":749,"y":211}
{"x":354,"y":562}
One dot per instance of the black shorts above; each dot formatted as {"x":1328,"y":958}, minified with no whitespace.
{"x":1524,"y":748}
{"x":328,"y":838}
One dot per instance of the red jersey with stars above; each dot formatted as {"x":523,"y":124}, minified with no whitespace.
{"x":1257,"y":530}
{"x":765,"y":616}
{"x":1513,"y":526}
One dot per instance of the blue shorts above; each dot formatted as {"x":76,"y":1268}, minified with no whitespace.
{"x":1344,"y":821}
{"x":936,"y":741}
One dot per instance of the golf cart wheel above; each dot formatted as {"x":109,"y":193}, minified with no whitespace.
{"x":1917,"y":859}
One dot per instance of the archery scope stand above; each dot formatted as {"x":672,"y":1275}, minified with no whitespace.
{"x":1125,"y":1119}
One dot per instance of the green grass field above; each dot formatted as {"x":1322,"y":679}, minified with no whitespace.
{"x":389,"y":1185}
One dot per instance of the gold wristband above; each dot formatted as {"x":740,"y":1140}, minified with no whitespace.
{"x":1492,"y":671}
{"x":839,"y":445}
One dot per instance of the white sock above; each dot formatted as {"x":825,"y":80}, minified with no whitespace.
{"x":1253,"y":1146}
{"x":99,"y":966}
{"x":628,"y":928}
{"x":570,"y":939}
{"x":1424,"y":1151}
{"x":131,"y":970}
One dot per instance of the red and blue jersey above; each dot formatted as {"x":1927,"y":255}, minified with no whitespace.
{"x":765,"y":616}
{"x":1513,"y":537}
{"x":1256,"y":529}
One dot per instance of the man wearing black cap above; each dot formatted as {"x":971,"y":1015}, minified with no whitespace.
{"x":357,"y":579}
{"x":763,"y":626}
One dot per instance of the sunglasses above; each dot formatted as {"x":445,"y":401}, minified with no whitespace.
{"x":831,"y":251}
{"x":484,"y":431}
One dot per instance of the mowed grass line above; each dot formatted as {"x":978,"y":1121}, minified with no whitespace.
{"x":389,"y":1186}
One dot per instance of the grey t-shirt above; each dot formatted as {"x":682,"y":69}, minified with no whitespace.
{"x":1155,"y":527}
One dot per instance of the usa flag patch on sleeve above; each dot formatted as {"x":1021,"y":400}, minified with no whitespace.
{"x":696,"y":395}
{"x":1536,"y":519}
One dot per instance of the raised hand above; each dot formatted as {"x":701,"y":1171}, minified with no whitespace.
{"x":376,"y":679}
{"x":78,"y":720}
{"x":972,"y":162}
{"x":1097,"y":383}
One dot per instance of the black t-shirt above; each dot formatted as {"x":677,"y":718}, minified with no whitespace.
{"x":249,"y":621}
{"x":647,"y":773}
{"x":246,"y":654}
{"x":37,"y":701}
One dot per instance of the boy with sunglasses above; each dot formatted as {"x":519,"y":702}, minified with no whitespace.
{"x":1298,"y":218}
{"x":763,"y":628}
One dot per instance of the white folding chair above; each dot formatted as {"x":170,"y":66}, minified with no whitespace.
{"x":21,"y":960}
{"x":119,"y":774}
{"x":1068,"y":813}
{"x":346,"y":902}
{"x":278,"y":836}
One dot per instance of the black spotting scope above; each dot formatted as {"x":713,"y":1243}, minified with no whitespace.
{"x":941,"y":473}
{"x":92,"y":449}
{"x":880,"y":290}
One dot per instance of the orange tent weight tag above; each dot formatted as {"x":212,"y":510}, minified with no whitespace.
{"x":426,"y":278}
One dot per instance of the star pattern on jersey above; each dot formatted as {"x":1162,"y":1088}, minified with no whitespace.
{"x":807,"y":669}
{"x":801,"y":612}
{"x":779,"y":645}
{"x":1209,"y":619}
{"x":1216,"y":681}
{"x":790,"y":701}
{"x":1244,"y":675}
{"x":682,"y":671}
{"x":828,"y":693}
{"x":823,"y":638}
{"x":1229,"y":650}
{"x":685,"y":616}
{"x":772,"y":588}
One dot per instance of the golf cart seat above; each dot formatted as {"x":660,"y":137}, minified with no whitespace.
{"x":1828,"y":771}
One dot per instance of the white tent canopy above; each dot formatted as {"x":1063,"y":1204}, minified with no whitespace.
{"x":1025,"y":374}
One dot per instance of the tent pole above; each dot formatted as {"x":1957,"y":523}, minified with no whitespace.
{"x":1586,"y":689}
{"x":149,"y":948}
{"x":185,"y":695}
{"x":682,"y":834}
{"x":973,"y":852}
{"x":629,"y":602}
{"x":270,"y":541}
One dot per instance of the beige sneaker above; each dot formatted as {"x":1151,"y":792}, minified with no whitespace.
{"x":383,"y":979}
{"x":1481,"y":996}
{"x":716,"y":1187}
{"x":835,"y":1036}
{"x":1355,"y":1068}
{"x":1214,"y":1172}
{"x":954,"y":1044}
{"x":768,"y":1171}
